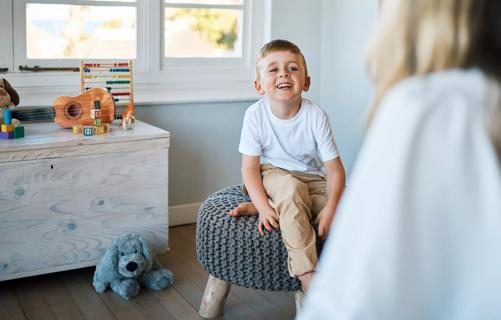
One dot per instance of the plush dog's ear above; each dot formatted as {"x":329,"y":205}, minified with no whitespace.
{"x":109,"y":262}
{"x":14,"y":97}
{"x":147,"y":253}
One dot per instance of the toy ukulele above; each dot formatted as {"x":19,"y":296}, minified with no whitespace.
{"x":73,"y":111}
{"x":69,"y":111}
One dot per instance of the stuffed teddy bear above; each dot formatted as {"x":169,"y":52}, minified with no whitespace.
{"x":8,"y":99}
{"x":128,"y":264}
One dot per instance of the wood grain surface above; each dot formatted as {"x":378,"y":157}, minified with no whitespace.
{"x":62,"y":213}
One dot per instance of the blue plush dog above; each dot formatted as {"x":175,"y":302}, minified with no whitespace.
{"x":129,"y":264}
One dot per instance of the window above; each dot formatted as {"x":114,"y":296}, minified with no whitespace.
{"x":176,"y":45}
{"x":60,"y":34}
{"x":203,"y":29}
{"x":6,"y":37}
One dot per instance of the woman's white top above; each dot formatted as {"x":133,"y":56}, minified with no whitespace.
{"x":301,"y":143}
{"x":418,"y":231}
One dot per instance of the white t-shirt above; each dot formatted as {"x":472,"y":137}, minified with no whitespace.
{"x":297,"y":144}
{"x":418,"y":231}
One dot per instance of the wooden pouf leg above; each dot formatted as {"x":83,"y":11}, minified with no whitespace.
{"x":216,"y":292}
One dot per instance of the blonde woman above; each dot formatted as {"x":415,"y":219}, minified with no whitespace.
{"x":418,"y":231}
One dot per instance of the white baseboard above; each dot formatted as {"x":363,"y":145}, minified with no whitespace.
{"x":183,"y":214}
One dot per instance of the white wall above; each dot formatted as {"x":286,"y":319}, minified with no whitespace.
{"x":345,"y":91}
{"x":203,"y":155}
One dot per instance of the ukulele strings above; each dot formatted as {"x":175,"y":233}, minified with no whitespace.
{"x":26,"y":114}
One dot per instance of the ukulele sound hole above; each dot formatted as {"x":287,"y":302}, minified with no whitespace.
{"x":73,"y":110}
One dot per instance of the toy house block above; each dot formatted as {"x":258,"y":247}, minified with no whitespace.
{"x":6,"y":135}
{"x":18,"y":132}
{"x":88,"y":131}
{"x":7,"y":128}
{"x":97,"y":122}
{"x":78,"y":129}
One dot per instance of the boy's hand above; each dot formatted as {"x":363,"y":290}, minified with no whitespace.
{"x":324,"y":220}
{"x":269,"y":219}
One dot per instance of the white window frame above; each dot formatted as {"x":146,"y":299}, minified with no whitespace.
{"x":6,"y":49}
{"x":156,"y":80}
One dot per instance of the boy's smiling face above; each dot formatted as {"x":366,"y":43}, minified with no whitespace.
{"x":282,"y":77}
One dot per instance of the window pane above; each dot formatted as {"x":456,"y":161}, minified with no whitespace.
{"x":202,"y":32}
{"x":225,"y":2}
{"x":60,"y":31}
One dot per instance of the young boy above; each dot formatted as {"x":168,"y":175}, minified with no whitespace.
{"x":290,"y":163}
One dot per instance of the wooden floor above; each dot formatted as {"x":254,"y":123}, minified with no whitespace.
{"x":70,"y":295}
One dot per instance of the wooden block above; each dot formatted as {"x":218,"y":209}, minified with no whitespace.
{"x":107,"y":127}
{"x":18,"y":132}
{"x":97,"y":122}
{"x":88,"y":131}
{"x":95,"y":113}
{"x":6,"y":135}
{"x":7,"y":128}
{"x":99,"y":129}
{"x":7,"y":116}
{"x":78,"y":129}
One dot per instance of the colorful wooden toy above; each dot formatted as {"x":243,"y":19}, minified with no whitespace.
{"x":7,"y":116}
{"x":88,"y":131}
{"x":99,"y":129}
{"x":78,"y":129}
{"x":7,"y":135}
{"x":7,"y":128}
{"x":18,"y":132}
{"x":95,"y":113}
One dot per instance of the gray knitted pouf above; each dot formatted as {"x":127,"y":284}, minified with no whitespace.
{"x":232,"y":250}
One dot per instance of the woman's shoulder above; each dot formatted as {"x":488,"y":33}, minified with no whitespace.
{"x":441,"y":94}
{"x":469,"y":85}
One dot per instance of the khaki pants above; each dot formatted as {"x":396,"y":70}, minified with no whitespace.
{"x":297,"y":198}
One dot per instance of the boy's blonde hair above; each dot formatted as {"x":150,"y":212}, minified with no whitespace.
{"x":418,"y":37}
{"x":279,"y":45}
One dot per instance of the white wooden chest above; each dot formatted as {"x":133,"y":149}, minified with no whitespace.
{"x":65,"y":197}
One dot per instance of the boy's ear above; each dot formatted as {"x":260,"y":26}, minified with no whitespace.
{"x":258,"y":87}
{"x":307,"y":83}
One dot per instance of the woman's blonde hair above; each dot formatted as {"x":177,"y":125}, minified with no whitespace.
{"x":417,"y":37}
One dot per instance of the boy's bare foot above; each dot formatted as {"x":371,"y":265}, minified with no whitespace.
{"x":243,"y":209}
{"x":305,"y":280}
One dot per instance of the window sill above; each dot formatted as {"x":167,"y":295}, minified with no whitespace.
{"x":150,"y":94}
